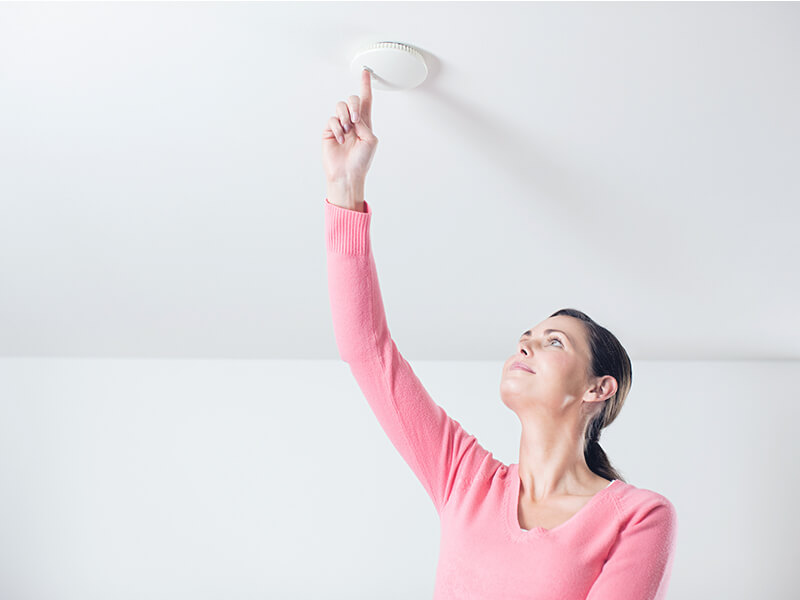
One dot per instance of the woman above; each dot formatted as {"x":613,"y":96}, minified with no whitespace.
{"x":559,"y":525}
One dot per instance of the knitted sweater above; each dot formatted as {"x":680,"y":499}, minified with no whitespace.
{"x":618,"y":546}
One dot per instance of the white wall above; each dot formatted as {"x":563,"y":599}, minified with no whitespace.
{"x":173,"y":479}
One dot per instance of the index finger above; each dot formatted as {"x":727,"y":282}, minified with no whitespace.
{"x":366,"y":94}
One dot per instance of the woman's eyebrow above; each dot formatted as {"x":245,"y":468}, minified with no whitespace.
{"x":546,"y":331}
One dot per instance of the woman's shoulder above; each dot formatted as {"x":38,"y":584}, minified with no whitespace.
{"x":637,"y":503}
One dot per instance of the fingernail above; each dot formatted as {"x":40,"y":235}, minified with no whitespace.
{"x":355,"y":117}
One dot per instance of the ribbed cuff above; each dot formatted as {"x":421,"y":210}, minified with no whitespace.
{"x":347,"y":231}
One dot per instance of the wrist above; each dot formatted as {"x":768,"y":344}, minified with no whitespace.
{"x":347,"y":194}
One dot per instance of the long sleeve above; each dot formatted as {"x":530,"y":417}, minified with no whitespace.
{"x":436,"y":448}
{"x":639,"y":564}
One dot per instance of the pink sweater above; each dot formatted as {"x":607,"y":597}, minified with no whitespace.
{"x":619,"y":546}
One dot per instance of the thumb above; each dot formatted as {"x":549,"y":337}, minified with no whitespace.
{"x":362,"y":129}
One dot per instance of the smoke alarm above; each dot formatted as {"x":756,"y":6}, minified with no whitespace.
{"x":394,"y":66}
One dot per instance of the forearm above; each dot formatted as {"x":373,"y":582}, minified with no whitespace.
{"x":347,"y":194}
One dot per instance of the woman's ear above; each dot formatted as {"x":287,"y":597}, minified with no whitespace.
{"x":603,"y":389}
{"x":606,"y":387}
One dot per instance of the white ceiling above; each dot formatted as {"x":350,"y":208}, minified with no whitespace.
{"x":162,"y":191}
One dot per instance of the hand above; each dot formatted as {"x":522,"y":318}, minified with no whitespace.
{"x":350,"y":160}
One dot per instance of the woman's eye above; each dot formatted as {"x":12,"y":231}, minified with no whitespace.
{"x":556,"y":339}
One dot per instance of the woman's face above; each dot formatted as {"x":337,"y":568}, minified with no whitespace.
{"x":558,"y":352}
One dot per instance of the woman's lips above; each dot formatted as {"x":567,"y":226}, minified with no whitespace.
{"x":519,"y":365}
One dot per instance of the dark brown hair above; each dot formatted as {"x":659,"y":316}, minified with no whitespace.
{"x":608,"y":358}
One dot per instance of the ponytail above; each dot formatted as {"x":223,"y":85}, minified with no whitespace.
{"x":608,"y":358}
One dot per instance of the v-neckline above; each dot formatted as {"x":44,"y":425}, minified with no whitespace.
{"x":512,"y":507}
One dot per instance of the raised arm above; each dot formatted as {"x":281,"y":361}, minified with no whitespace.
{"x":437,"y":449}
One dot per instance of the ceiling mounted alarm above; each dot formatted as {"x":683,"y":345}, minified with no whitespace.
{"x":394,"y":66}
